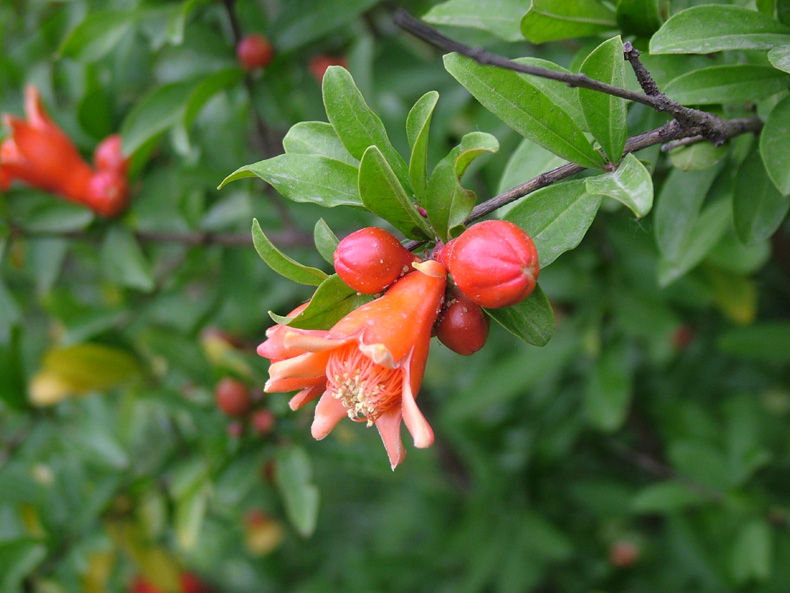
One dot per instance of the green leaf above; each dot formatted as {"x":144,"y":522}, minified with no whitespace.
{"x":773,"y":146}
{"x":609,"y":388}
{"x":498,"y":17}
{"x":726,"y":84}
{"x":190,"y":511}
{"x":525,"y":108}
{"x":99,"y":33}
{"x":751,"y":553}
{"x":18,"y":559}
{"x":566,"y":97}
{"x":710,"y":28}
{"x":532,"y":319}
{"x":630,"y":184}
{"x":605,"y":114}
{"x":525,"y":163}
{"x":779,"y":56}
{"x":551,"y":20}
{"x":678,"y":206}
{"x":665,"y":497}
{"x":556,"y":217}
{"x":124,"y":262}
{"x":447,"y":202}
{"x":303,"y":21}
{"x":418,"y":123}
{"x":332,"y":301}
{"x":56,"y":216}
{"x":206,"y":89}
{"x":706,"y":232}
{"x":325,"y":240}
{"x":700,"y":155}
{"x":639,"y":17}
{"x":758,"y":208}
{"x":382,"y":194}
{"x":155,"y":113}
{"x":293,"y":476}
{"x":281,"y":263}
{"x":317,"y":137}
{"x":355,"y":123}
{"x":306,"y":178}
{"x":769,"y":341}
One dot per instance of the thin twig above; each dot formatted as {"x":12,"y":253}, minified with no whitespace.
{"x":706,"y":124}
{"x":682,"y":142}
{"x":643,"y":77}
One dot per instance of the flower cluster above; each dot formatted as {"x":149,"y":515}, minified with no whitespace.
{"x":370,"y":365}
{"x":40,"y":154}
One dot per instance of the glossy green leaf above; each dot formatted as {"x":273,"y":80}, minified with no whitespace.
{"x":556,"y":217}
{"x":499,"y":17}
{"x":303,"y":21}
{"x":551,"y":20}
{"x":779,"y":56}
{"x":706,"y":232}
{"x":609,"y":389}
{"x":532,"y":319}
{"x":639,"y":17}
{"x":447,"y":202}
{"x":700,"y":155}
{"x":325,"y":240}
{"x":710,"y":28}
{"x":773,"y":146}
{"x":525,"y":108}
{"x":566,"y":97}
{"x":18,"y":559}
{"x":605,"y":114}
{"x":99,"y":33}
{"x":726,"y":84}
{"x":306,"y":178}
{"x":355,"y":123}
{"x":332,"y":301}
{"x":757,"y":207}
{"x":382,"y":194}
{"x":155,"y":113}
{"x":665,"y":497}
{"x":293,"y":475}
{"x":751,"y":553}
{"x":317,"y":137}
{"x":124,"y":262}
{"x":678,"y":206}
{"x":630,"y":184}
{"x":418,"y":123}
{"x":281,"y":263}
{"x":768,"y":341}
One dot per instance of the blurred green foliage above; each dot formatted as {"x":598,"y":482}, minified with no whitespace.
{"x":656,"y":415}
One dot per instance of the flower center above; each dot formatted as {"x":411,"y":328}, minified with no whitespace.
{"x":365,"y":388}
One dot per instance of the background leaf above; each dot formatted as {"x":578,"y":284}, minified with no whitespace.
{"x":551,"y":20}
{"x":532,"y":319}
{"x":726,"y":84}
{"x":775,"y":158}
{"x":281,"y":263}
{"x":499,"y":17}
{"x":629,"y":184}
{"x":293,"y":476}
{"x":758,"y":208}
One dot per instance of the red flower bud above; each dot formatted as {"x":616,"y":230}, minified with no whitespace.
{"x":254,"y":52}
{"x":108,"y":156}
{"x":107,"y":193}
{"x":494,"y":263}
{"x":462,"y":326}
{"x":232,"y":396}
{"x":318,"y":65}
{"x":371,"y":259}
{"x":262,"y":421}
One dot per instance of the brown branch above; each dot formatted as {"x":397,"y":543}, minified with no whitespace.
{"x":706,"y":124}
{"x":643,"y":77}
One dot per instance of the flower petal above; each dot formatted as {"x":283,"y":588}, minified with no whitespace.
{"x":307,"y":394}
{"x":416,"y":423}
{"x":389,"y":429}
{"x":328,"y":413}
{"x":306,"y":366}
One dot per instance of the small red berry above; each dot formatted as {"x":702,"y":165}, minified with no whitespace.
{"x":108,"y":156}
{"x":254,"y":52}
{"x":494,"y":263}
{"x":318,"y":65}
{"x":232,"y":396}
{"x":623,"y":554}
{"x":262,"y":421}
{"x":371,"y":259}
{"x":462,"y":326}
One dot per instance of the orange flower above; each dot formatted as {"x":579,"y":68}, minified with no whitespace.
{"x":40,"y":154}
{"x":369,"y":366}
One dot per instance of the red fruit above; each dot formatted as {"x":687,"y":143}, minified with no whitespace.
{"x":108,"y":156}
{"x":318,"y":65}
{"x":262,"y":421}
{"x":494,"y":263}
{"x":462,"y":326}
{"x":232,"y":396}
{"x":254,"y":52}
{"x":371,"y":259}
{"x":623,"y":553}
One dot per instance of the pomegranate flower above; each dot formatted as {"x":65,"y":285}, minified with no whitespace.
{"x":369,"y":366}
